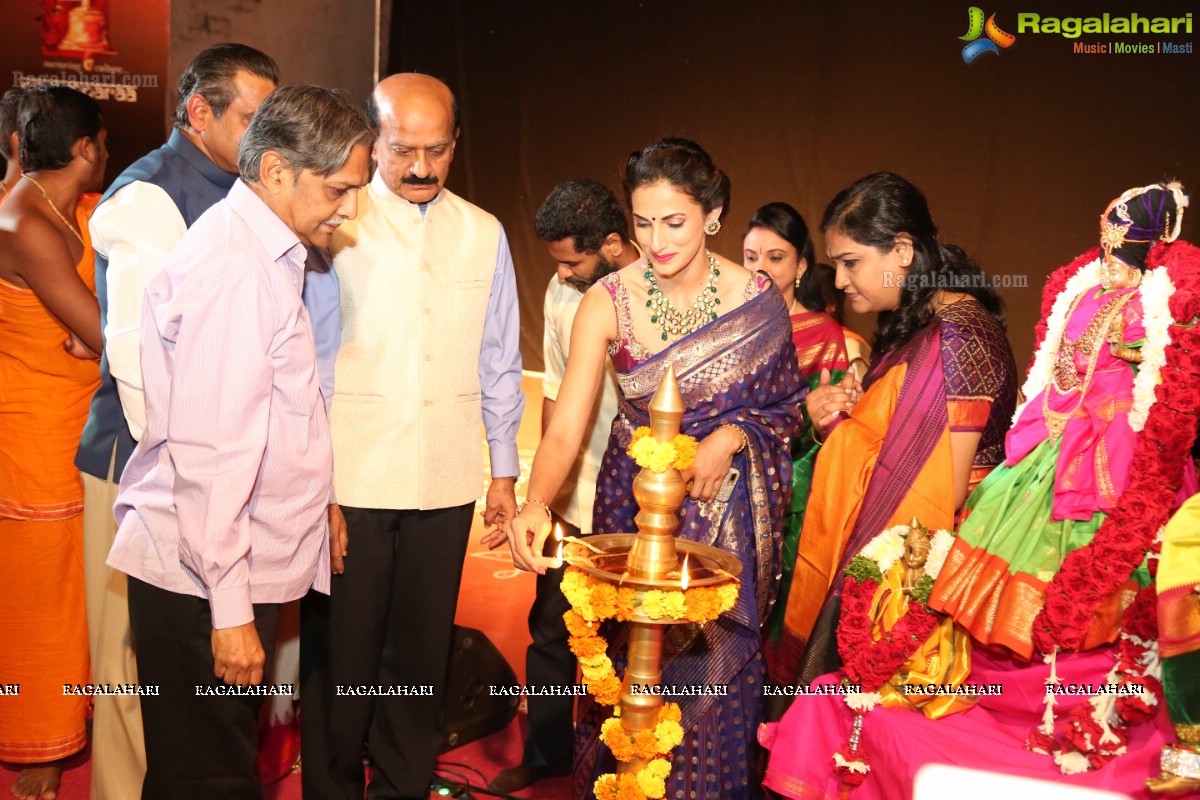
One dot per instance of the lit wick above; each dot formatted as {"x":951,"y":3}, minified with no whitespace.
{"x":683,"y":574}
{"x":557,"y":560}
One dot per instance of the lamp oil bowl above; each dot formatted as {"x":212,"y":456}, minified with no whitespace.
{"x":652,"y":559}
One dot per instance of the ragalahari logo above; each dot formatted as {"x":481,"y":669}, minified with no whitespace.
{"x":976,"y":27}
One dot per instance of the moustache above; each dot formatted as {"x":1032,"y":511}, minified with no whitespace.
{"x":335,"y":221}
{"x":413,"y":180}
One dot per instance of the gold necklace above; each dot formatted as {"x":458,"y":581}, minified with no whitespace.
{"x":54,"y":208}
{"x":671,"y":320}
{"x":1065,"y":379}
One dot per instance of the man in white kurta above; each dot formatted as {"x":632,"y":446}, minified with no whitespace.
{"x":429,"y":358}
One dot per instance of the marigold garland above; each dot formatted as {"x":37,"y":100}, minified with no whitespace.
{"x":593,"y":601}
{"x":649,"y":453}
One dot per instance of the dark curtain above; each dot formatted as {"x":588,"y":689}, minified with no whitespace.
{"x":1018,"y":153}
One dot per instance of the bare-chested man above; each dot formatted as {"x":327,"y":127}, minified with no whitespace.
{"x":49,"y":334}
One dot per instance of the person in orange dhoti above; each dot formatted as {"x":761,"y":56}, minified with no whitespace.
{"x":49,"y":338}
{"x":933,"y":410}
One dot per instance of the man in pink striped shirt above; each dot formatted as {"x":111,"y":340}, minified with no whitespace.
{"x":223,"y":505}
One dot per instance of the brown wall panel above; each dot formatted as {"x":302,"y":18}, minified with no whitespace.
{"x":1018,"y":152}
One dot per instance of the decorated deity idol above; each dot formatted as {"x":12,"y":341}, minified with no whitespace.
{"x":1056,"y":541}
{"x":1051,"y":573}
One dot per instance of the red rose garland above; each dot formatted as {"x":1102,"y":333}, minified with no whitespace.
{"x":1088,"y":730}
{"x":1091,"y":574}
{"x":869,"y":663}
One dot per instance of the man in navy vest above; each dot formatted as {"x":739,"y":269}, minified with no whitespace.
{"x":140,"y":218}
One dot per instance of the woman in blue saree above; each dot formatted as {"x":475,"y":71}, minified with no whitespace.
{"x":732,"y":351}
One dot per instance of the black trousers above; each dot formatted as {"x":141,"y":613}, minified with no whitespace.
{"x":548,"y":660}
{"x":197,"y":747}
{"x":388,"y":621}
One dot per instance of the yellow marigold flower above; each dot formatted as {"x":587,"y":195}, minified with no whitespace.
{"x":668,"y":734}
{"x":576,"y":587}
{"x":728,"y":594}
{"x":662,"y":459}
{"x":596,"y":666}
{"x":642,"y":449}
{"x":652,"y":603}
{"x":685,"y":451}
{"x":670,"y":711}
{"x":673,"y":605}
{"x":652,"y":780}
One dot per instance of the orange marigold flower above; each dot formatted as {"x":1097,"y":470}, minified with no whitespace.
{"x":604,"y":600}
{"x":607,"y":692}
{"x":670,"y":711}
{"x":626,"y":598}
{"x":645,"y":745}
{"x":701,"y":604}
{"x":618,"y":787}
{"x":587,"y":646}
{"x":577,"y":625}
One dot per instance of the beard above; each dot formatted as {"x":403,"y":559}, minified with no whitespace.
{"x":603,"y":267}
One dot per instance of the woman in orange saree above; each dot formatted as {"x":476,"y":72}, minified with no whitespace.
{"x":930,"y":418}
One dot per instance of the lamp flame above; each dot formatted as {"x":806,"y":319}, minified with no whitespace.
{"x":558,"y":537}
{"x":683,"y":573}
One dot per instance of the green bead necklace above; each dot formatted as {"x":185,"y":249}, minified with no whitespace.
{"x":673,"y":322}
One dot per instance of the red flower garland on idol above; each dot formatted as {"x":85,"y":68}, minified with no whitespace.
{"x":1091,"y":574}
{"x":869,"y":663}
{"x":1096,"y":732}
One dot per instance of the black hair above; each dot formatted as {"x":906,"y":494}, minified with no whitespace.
{"x":50,"y":119}
{"x":212,"y":74}
{"x":8,"y":120}
{"x":874,"y":212}
{"x":833,"y":299}
{"x":582,"y":209}
{"x":683,"y":164}
{"x":787,"y":224}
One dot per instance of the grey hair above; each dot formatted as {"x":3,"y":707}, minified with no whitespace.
{"x":311,"y":127}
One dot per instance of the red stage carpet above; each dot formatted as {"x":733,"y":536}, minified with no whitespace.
{"x":495,"y":599}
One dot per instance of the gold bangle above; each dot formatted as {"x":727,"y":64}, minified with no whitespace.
{"x":529,"y":501}
{"x":741,"y":435}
